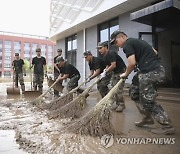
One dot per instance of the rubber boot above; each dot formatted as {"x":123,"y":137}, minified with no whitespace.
{"x":147,"y":120}
{"x":167,"y":130}
{"x":23,"y":88}
{"x":120,"y":107}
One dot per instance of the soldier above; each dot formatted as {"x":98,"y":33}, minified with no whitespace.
{"x":69,"y":71}
{"x":39,"y":64}
{"x":18,"y":68}
{"x":57,"y":70}
{"x":143,"y":90}
{"x":96,"y":66}
{"x":115,"y":66}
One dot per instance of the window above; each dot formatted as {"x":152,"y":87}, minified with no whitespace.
{"x":71,"y":48}
{"x":7,"y":47}
{"x":43,"y":50}
{"x":34,"y":47}
{"x":7,"y":65}
{"x":7,"y":73}
{"x":17,"y":47}
{"x":105,"y":30}
{"x":1,"y":45}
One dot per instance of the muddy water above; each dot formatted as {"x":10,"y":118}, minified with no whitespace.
{"x":35,"y":133}
{"x":8,"y":143}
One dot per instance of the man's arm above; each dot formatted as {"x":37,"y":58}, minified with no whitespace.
{"x":65,"y":76}
{"x":96,"y":73}
{"x":91,"y":73}
{"x":56,"y":67}
{"x":111,"y":67}
{"x":130,"y":67}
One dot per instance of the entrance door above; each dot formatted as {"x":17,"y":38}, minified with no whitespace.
{"x":175,"y":49}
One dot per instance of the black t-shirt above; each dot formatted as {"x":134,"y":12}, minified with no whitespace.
{"x":114,"y":57}
{"x":69,"y":69}
{"x":146,"y":58}
{"x":38,"y":65}
{"x":97,"y":63}
{"x":18,"y":64}
{"x":55,"y":70}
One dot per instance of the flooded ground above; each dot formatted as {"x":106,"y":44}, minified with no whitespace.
{"x":35,"y":133}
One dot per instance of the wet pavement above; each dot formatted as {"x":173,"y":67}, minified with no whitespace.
{"x":24,"y":126}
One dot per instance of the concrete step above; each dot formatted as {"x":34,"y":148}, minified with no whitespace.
{"x":168,"y":95}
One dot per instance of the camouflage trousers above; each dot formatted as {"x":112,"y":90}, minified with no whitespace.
{"x":73,"y":82}
{"x":38,"y":81}
{"x":102,"y":86}
{"x":144,"y":91}
{"x":56,"y":75}
{"x":19,"y":76}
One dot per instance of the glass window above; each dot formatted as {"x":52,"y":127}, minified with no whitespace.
{"x":105,"y":31}
{"x":43,"y":50}
{"x":17,"y":47}
{"x":34,"y":47}
{"x":71,"y":48}
{"x":7,"y":46}
{"x":7,"y":73}
{"x":1,"y":45}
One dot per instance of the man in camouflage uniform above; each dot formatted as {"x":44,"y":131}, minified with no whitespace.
{"x":143,"y":90}
{"x":96,"y":66}
{"x":57,"y":71}
{"x":69,"y":71}
{"x":39,"y":64}
{"x":115,"y":66}
{"x":18,"y":68}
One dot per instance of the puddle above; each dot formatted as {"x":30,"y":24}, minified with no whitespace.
{"x":8,"y":143}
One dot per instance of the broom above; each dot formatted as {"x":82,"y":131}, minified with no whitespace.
{"x":61,"y":101}
{"x":40,"y":98}
{"x":97,"y":121}
{"x":74,"y":108}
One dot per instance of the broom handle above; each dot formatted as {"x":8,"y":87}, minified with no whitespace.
{"x":113,"y":91}
{"x":89,"y":88}
{"x":74,"y":90}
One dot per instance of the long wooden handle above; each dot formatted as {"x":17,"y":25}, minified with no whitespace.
{"x":74,"y":90}
{"x":48,"y":89}
{"x":90,"y":87}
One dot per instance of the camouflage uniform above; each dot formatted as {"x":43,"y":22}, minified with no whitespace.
{"x":21,"y":80}
{"x":102,"y":85}
{"x":119,"y":96}
{"x":38,"y":81}
{"x":143,"y":91}
{"x":73,"y":82}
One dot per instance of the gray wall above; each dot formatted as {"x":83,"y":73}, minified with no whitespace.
{"x":79,"y":54}
{"x":61,"y":44}
{"x":91,"y":43}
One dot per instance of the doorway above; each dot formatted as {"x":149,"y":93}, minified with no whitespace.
{"x":175,"y":59}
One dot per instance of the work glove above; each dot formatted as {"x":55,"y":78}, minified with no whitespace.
{"x":103,"y":74}
{"x":88,"y":79}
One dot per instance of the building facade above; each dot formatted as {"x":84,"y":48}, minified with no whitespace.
{"x":78,"y":25}
{"x":25,"y":45}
